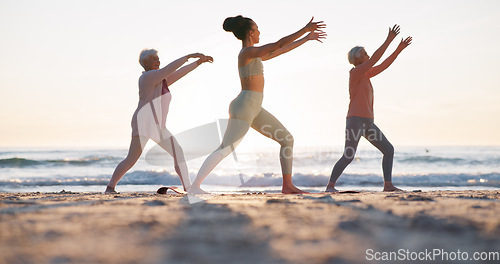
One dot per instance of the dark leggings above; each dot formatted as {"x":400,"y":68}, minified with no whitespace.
{"x":356,"y":127}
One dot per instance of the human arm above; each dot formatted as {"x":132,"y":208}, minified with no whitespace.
{"x":256,"y":52}
{"x":175,"y":76}
{"x":314,"y":35}
{"x":387,"y":62}
{"x":156,"y":76}
{"x":367,"y":65}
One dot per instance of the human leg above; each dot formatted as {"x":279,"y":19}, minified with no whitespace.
{"x":269,"y":126}
{"x":242,"y":111}
{"x":353,"y":132}
{"x":375,"y":136}
{"x":236,"y":130}
{"x":170,"y":144}
{"x":134,"y":153}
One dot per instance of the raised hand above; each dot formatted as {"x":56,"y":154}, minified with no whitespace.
{"x":195,"y":55}
{"x":405,"y":43}
{"x":317,"y":35}
{"x":393,"y":32}
{"x":312,"y":26}
{"x":206,"y":59}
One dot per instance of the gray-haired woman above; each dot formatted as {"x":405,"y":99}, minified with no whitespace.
{"x":360,"y":116}
{"x":148,"y":121}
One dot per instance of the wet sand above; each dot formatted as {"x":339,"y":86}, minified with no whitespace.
{"x":246,"y":228}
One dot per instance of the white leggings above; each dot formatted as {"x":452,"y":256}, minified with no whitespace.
{"x":246,"y":111}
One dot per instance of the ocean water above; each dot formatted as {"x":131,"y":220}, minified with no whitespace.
{"x":89,"y":170}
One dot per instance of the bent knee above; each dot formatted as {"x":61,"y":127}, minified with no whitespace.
{"x":348,"y":155}
{"x":287,"y":140}
{"x":389,"y":150}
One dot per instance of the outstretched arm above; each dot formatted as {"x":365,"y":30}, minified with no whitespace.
{"x":387,"y":62}
{"x":255,"y":52}
{"x":364,"y":67}
{"x":314,"y":35}
{"x":156,"y":76}
{"x":175,"y":76}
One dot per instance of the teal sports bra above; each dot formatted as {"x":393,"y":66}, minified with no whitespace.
{"x":255,"y":67}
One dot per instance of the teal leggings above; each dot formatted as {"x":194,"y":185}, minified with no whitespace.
{"x":246,"y":111}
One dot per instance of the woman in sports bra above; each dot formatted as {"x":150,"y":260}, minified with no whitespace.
{"x":246,"y":110}
{"x":148,"y":121}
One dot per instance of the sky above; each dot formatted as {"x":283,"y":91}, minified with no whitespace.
{"x":69,"y":69}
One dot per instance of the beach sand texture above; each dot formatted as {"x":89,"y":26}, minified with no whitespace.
{"x":243,"y":228}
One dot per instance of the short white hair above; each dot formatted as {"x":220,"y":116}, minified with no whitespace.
{"x":354,"y":53}
{"x":145,"y":54}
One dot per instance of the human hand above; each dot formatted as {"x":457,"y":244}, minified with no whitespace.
{"x":206,"y":59}
{"x":195,"y":55}
{"x":317,"y":35}
{"x":404,"y":43}
{"x":312,"y":26}
{"x":393,"y":32}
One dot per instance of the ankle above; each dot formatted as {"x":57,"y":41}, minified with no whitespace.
{"x":287,"y":180}
{"x":388,"y":184}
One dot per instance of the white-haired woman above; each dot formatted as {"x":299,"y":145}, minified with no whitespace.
{"x":148,"y":121}
{"x":360,"y":116}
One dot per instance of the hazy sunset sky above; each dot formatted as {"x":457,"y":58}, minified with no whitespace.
{"x":69,"y":69}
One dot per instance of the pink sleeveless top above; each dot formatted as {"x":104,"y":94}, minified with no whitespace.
{"x":154,"y":100}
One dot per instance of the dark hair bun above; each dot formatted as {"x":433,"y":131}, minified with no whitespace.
{"x":238,"y":25}
{"x":232,"y":24}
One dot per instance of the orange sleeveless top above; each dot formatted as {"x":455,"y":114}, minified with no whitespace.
{"x":360,"y":94}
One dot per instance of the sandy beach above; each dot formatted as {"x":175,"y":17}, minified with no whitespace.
{"x":71,"y":227}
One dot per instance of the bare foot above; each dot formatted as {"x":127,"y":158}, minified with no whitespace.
{"x":110,"y":190}
{"x":291,"y":190}
{"x":393,"y":189}
{"x":331,"y":189}
{"x":196,"y":190}
{"x":388,"y":187}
